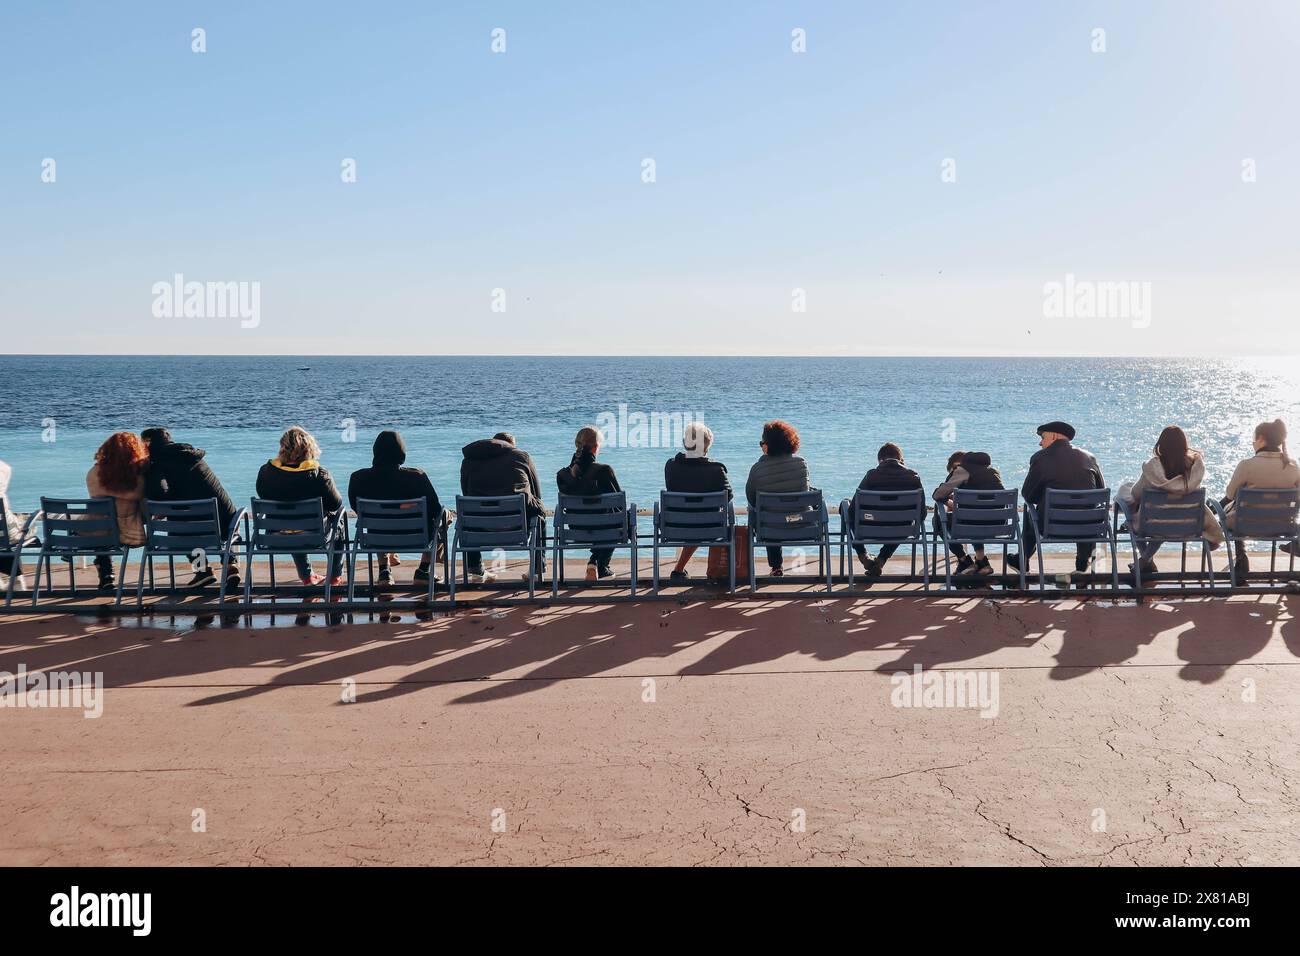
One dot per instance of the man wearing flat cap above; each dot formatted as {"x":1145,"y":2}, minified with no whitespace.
{"x":1058,"y":465}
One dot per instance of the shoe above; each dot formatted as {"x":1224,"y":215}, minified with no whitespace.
{"x":202,"y":579}
{"x":422,"y":575}
{"x":965,"y":568}
{"x":591,"y":572}
{"x":385,"y":578}
{"x":871,"y":568}
{"x":1013,"y":561}
{"x":776,"y":573}
{"x":337,"y":581}
{"x":605,"y":572}
{"x":107,"y":583}
{"x":312,"y":580}
{"x":678,"y":577}
{"x":1241,"y":567}
{"x":483,"y":577}
{"x":982,"y":568}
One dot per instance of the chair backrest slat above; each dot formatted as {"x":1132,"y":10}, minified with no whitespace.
{"x":1172,"y":517}
{"x":1077,"y":515}
{"x":796,"y":517}
{"x":492,"y":521}
{"x":888,"y":515}
{"x":79,"y":525}
{"x":985,"y":515}
{"x":1263,"y":513}
{"x":398,"y":524}
{"x":181,"y":527}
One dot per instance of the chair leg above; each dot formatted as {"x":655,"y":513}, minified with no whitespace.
{"x":753,"y":582}
{"x":121,"y":577}
{"x":654,"y":569}
{"x":1042,"y":578}
{"x":139,"y":583}
{"x":36,"y":590}
{"x":633,"y":588}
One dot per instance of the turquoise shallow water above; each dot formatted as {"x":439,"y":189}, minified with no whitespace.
{"x":236,"y":407}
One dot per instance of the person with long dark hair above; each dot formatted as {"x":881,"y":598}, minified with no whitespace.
{"x":1269,"y":467}
{"x":1177,"y":468}
{"x":586,"y":476}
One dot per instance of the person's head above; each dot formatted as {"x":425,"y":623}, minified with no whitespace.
{"x":1271,"y":436}
{"x":955,"y":459}
{"x":297,"y":446}
{"x":506,"y":437}
{"x":587,"y":441}
{"x":1053,"y":432}
{"x":889,"y":450}
{"x":1172,"y":450}
{"x":389,"y":450}
{"x":697,"y":439}
{"x":155,"y":436}
{"x":779,"y":438}
{"x":120,"y":459}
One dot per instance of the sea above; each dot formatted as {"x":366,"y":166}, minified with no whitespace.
{"x":55,"y":411}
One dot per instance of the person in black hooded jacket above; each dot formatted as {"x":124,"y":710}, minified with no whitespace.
{"x":387,"y":480}
{"x":972,"y":470}
{"x":494,"y":466}
{"x":297,"y":475}
{"x":586,"y":476}
{"x":692,"y":471}
{"x":177,"y":472}
{"x":890,"y":474}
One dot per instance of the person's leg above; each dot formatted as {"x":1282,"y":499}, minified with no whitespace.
{"x":303,"y":565}
{"x":683,"y":557}
{"x":540,"y":562}
{"x":104,"y":565}
{"x":1147,"y":550}
{"x":6,"y":564}
{"x":1030,"y":533}
{"x":886,"y":552}
{"x":473,"y":562}
{"x":600,"y":557}
{"x":1083,"y":555}
{"x":773,"y":558}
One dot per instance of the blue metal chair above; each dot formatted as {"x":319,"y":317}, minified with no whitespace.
{"x":293,"y":527}
{"x":189,"y":530}
{"x":14,"y":549}
{"x":1075,"y":517}
{"x":1261,"y":514}
{"x":685,"y":520}
{"x":982,"y":517}
{"x":884,"y":517}
{"x":592,"y":521}
{"x":790,"y":520}
{"x":1169,"y":519}
{"x":495,"y":522}
{"x":73,"y":527}
{"x":385,"y":526}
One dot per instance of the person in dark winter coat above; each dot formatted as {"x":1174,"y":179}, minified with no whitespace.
{"x":972,"y":470}
{"x":692,"y":471}
{"x":388,"y":480}
{"x":494,"y":466}
{"x":1058,"y":465}
{"x":178,"y":472}
{"x":297,"y":475}
{"x":890,"y":474}
{"x":586,"y":476}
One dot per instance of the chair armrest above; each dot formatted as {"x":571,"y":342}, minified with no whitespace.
{"x":240,"y":517}
{"x":27,"y":527}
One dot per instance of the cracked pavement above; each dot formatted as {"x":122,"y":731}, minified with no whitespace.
{"x":749,"y":732}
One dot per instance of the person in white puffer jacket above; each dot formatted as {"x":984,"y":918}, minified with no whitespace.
{"x":12,"y":530}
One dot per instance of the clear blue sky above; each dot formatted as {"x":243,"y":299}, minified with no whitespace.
{"x":775,"y":171}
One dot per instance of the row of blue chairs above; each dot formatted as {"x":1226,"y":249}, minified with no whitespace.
{"x":191,"y":530}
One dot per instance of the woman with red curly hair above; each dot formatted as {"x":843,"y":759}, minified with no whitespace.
{"x":779,"y":470}
{"x":118,"y":473}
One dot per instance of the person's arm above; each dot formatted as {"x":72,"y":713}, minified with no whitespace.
{"x":1100,"y":479}
{"x":726,"y":481}
{"x":1033,"y":485}
{"x":613,"y":481}
{"x":958,"y":478}
{"x":1235,"y":482}
{"x":534,"y":484}
{"x":751,"y":487}
{"x":352,"y":492}
{"x":464,"y":476}
{"x":329,"y":495}
{"x":430,"y":496}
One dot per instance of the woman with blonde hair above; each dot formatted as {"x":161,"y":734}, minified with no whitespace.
{"x":296,"y":475}
{"x":118,"y":473}
{"x":586,"y":476}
